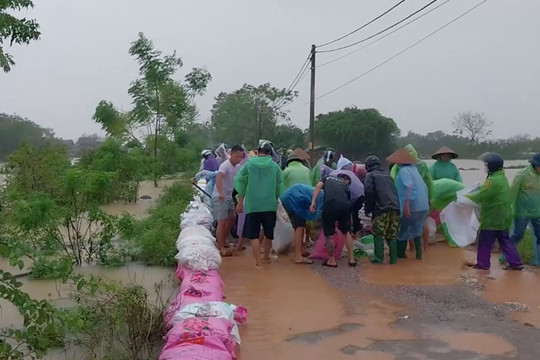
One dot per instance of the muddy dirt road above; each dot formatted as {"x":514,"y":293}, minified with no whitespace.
{"x":431,"y":309}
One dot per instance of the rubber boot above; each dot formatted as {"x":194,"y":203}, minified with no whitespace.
{"x":379,"y":250}
{"x":402,"y":249}
{"x":418,"y":246}
{"x":392,"y":244}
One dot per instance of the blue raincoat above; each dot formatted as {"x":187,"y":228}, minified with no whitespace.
{"x":297,"y":199}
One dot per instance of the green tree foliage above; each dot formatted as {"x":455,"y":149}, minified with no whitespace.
{"x":14,"y":131}
{"x":357,"y":132}
{"x":249,"y":114}
{"x":14,"y":30}
{"x":163,"y":106}
{"x":155,"y":236}
{"x":289,"y":136}
{"x":127,"y":163}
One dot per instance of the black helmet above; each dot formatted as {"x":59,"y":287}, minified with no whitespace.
{"x":371,"y":162}
{"x":328,"y":156}
{"x":265,"y":147}
{"x":494,"y":161}
{"x":206,"y":153}
{"x":535,"y":160}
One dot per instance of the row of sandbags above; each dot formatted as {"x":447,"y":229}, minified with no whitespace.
{"x":200,"y":325}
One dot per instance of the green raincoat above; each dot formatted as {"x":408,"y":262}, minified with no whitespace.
{"x":422,"y":169}
{"x":495,"y":200}
{"x":445,"y":170}
{"x":296,"y":173}
{"x":316,"y":172}
{"x":260,"y":181}
{"x":444,"y":192}
{"x":526,"y":193}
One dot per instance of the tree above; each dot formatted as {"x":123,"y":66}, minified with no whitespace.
{"x":473,"y":126}
{"x":15,"y":30}
{"x":162,"y":105}
{"x":15,"y":130}
{"x":289,"y":136}
{"x":357,"y":132}
{"x":249,"y":114}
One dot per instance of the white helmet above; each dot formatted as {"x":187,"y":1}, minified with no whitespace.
{"x":206,"y":152}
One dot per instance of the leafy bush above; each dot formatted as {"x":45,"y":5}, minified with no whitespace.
{"x":155,"y":237}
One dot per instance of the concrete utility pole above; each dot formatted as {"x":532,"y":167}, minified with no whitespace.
{"x":312,"y":109}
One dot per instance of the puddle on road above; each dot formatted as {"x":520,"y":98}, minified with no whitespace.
{"x":441,"y":265}
{"x":295,"y":314}
{"x":480,"y":343}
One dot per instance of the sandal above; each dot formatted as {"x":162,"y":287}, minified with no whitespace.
{"x":353,"y":264}
{"x":306,"y":254}
{"x":305,"y":261}
{"x":516,"y":268}
{"x":325,"y":263}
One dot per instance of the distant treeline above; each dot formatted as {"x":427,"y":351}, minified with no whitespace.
{"x":514,"y":148}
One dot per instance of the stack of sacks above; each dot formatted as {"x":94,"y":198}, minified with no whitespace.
{"x":200,"y":325}
{"x":197,"y":214}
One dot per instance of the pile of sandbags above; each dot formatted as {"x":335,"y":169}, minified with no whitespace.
{"x":200,"y":324}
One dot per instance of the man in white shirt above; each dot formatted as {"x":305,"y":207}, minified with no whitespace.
{"x":222,"y":201}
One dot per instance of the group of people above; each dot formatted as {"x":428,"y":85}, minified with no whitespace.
{"x":247,"y":186}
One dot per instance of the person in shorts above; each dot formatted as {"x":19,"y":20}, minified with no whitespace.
{"x":222,"y":200}
{"x":259,"y":184}
{"x":296,"y":201}
{"x":383,"y":204}
{"x":335,"y":209}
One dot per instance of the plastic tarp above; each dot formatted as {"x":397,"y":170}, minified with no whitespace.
{"x":465,"y":200}
{"x":460,"y":224}
{"x":283,"y":232}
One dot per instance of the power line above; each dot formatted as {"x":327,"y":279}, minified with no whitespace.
{"x":386,"y":35}
{"x":363,"y":26}
{"x":296,"y":79}
{"x":402,"y":51}
{"x":382,"y":31}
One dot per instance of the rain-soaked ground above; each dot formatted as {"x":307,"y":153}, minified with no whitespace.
{"x":430,"y":309}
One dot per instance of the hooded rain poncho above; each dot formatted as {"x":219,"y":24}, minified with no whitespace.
{"x":495,"y":200}
{"x":411,"y":187}
{"x":526,"y":193}
{"x":296,"y":173}
{"x":422,"y":169}
{"x":298,"y":200}
{"x":445,"y":170}
{"x":260,"y":181}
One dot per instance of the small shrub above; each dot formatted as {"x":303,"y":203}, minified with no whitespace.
{"x":155,"y":237}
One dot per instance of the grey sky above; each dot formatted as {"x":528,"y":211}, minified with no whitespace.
{"x":486,"y":62}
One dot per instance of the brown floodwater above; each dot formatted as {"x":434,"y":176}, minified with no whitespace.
{"x":480,"y":343}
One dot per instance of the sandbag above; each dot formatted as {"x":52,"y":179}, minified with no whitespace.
{"x":444,"y":192}
{"x":234,"y":314}
{"x":199,"y":257}
{"x":203,"y":348}
{"x":283,"y":232}
{"x":207,"y":282}
{"x":319,"y":251}
{"x":196,"y":213}
{"x":196,"y":230}
{"x":194,"y":240}
{"x":193,"y":328}
{"x":460,"y":224}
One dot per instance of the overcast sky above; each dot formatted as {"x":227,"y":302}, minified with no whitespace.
{"x":489,"y":61}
